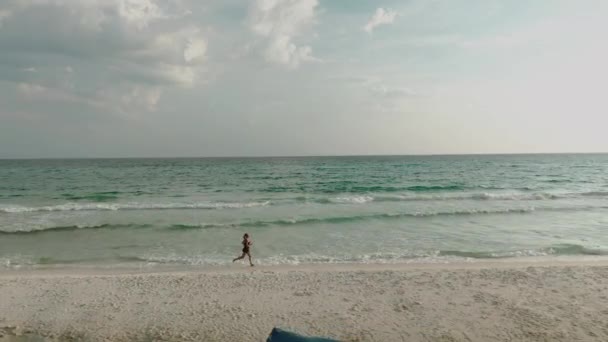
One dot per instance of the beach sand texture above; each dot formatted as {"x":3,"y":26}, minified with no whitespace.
{"x":492,"y":302}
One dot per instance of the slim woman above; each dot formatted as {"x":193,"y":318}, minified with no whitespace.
{"x":246,"y":249}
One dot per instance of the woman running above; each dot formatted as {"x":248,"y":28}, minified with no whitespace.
{"x":246,"y":249}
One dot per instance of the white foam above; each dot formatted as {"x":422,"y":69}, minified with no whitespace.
{"x":16,"y":261}
{"x":311,"y":258}
{"x":353,"y":199}
{"x":485,"y":196}
{"x":514,"y":196}
{"x":132,"y":206}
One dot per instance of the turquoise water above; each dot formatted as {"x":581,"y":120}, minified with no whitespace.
{"x":301,"y":210}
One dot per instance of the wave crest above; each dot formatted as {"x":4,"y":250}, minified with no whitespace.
{"x":355,"y":218}
{"x":344,"y":199}
{"x":73,"y":228}
{"x":132,"y":206}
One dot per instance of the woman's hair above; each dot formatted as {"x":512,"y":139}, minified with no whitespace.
{"x":246,"y":235}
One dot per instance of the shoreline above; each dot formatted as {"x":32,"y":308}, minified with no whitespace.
{"x":532,"y":300}
{"x":166,"y":269}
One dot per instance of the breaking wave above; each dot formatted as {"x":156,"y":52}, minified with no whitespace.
{"x":132,"y":206}
{"x":344,"y":199}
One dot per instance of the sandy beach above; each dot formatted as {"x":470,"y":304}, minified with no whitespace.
{"x":495,"y":301}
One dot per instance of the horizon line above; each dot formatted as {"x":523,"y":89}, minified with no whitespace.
{"x":315,"y":156}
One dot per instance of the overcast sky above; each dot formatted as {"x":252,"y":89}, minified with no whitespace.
{"x":120,"y":78}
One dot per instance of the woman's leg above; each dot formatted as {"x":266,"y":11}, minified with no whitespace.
{"x":239,"y":258}
{"x":249,"y":255}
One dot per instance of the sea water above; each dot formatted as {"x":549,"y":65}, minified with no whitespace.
{"x":111,"y":212}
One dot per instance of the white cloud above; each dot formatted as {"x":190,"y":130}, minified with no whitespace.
{"x":122,"y":99}
{"x":3,"y":15}
{"x":278,"y":22}
{"x":135,"y":97}
{"x":377,"y":87}
{"x":386,"y":91}
{"x":115,"y":50}
{"x":195,"y":50}
{"x":140,"y":12}
{"x":381,"y":17}
{"x":281,"y":50}
{"x":39,"y":93}
{"x":30,"y":89}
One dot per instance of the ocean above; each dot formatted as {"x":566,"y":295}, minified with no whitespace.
{"x":384,"y":209}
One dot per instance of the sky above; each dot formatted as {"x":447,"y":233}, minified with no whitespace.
{"x":172,"y":78}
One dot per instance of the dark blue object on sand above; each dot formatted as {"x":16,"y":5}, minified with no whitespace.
{"x":279,"y":335}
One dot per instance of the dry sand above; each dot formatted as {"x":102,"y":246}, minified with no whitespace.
{"x":458,"y":302}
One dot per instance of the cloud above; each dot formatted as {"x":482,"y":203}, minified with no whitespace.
{"x":386,"y":91}
{"x":278,"y":22}
{"x":377,"y":87}
{"x":381,"y":17}
{"x":29,"y":89}
{"x":3,"y":15}
{"x":116,"y":54}
{"x":140,"y":12}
